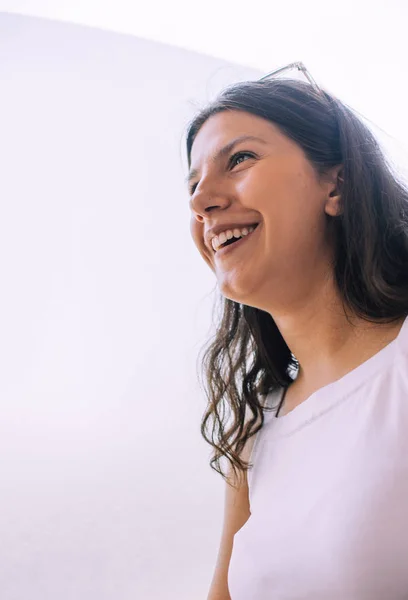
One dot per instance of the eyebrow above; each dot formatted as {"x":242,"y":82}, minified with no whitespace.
{"x":225,"y":150}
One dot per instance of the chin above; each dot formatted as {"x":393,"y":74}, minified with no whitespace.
{"x":247,"y":289}
{"x":235,"y":294}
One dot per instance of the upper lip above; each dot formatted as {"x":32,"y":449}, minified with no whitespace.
{"x":213,"y":231}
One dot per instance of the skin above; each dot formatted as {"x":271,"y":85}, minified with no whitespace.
{"x":286,"y":268}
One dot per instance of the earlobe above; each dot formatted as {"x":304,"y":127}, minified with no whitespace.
{"x":333,"y":205}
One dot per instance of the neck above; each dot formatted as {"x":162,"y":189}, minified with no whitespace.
{"x":326,"y":342}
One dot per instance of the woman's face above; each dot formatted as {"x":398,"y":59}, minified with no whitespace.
{"x":268,"y":181}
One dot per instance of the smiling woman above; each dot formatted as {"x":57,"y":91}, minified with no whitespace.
{"x":314,"y":306}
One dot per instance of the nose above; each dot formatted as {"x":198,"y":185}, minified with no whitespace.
{"x":205,"y":199}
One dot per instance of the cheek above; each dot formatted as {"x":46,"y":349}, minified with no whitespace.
{"x":290,"y":205}
{"x":268,"y":187}
{"x":197,"y":232}
{"x":287,"y":195}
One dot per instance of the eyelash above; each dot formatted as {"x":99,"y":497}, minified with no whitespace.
{"x":231,"y":160}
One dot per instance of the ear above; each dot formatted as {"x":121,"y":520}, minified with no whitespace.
{"x":333,"y":206}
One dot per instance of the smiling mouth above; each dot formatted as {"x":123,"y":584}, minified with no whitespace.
{"x":235,"y":241}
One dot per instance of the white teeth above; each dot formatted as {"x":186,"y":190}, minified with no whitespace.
{"x":220,"y":239}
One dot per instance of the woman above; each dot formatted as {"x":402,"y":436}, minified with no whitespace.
{"x":305,"y":226}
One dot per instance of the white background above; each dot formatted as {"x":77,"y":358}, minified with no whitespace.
{"x":355,"y":48}
{"x":105,"y":488}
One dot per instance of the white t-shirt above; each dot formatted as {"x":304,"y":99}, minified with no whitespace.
{"x":329,"y":492}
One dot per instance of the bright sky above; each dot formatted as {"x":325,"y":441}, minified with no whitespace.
{"x":354,"y":34}
{"x":355,"y":48}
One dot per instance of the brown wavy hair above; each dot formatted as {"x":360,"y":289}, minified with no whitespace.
{"x":247,"y":358}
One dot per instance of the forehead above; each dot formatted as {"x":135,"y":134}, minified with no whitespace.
{"x":222,"y":127}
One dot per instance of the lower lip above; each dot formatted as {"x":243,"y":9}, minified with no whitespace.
{"x":241,"y":242}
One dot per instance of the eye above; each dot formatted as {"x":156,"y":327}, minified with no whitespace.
{"x":232,"y":163}
{"x":192,"y":188}
{"x":235,"y":157}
